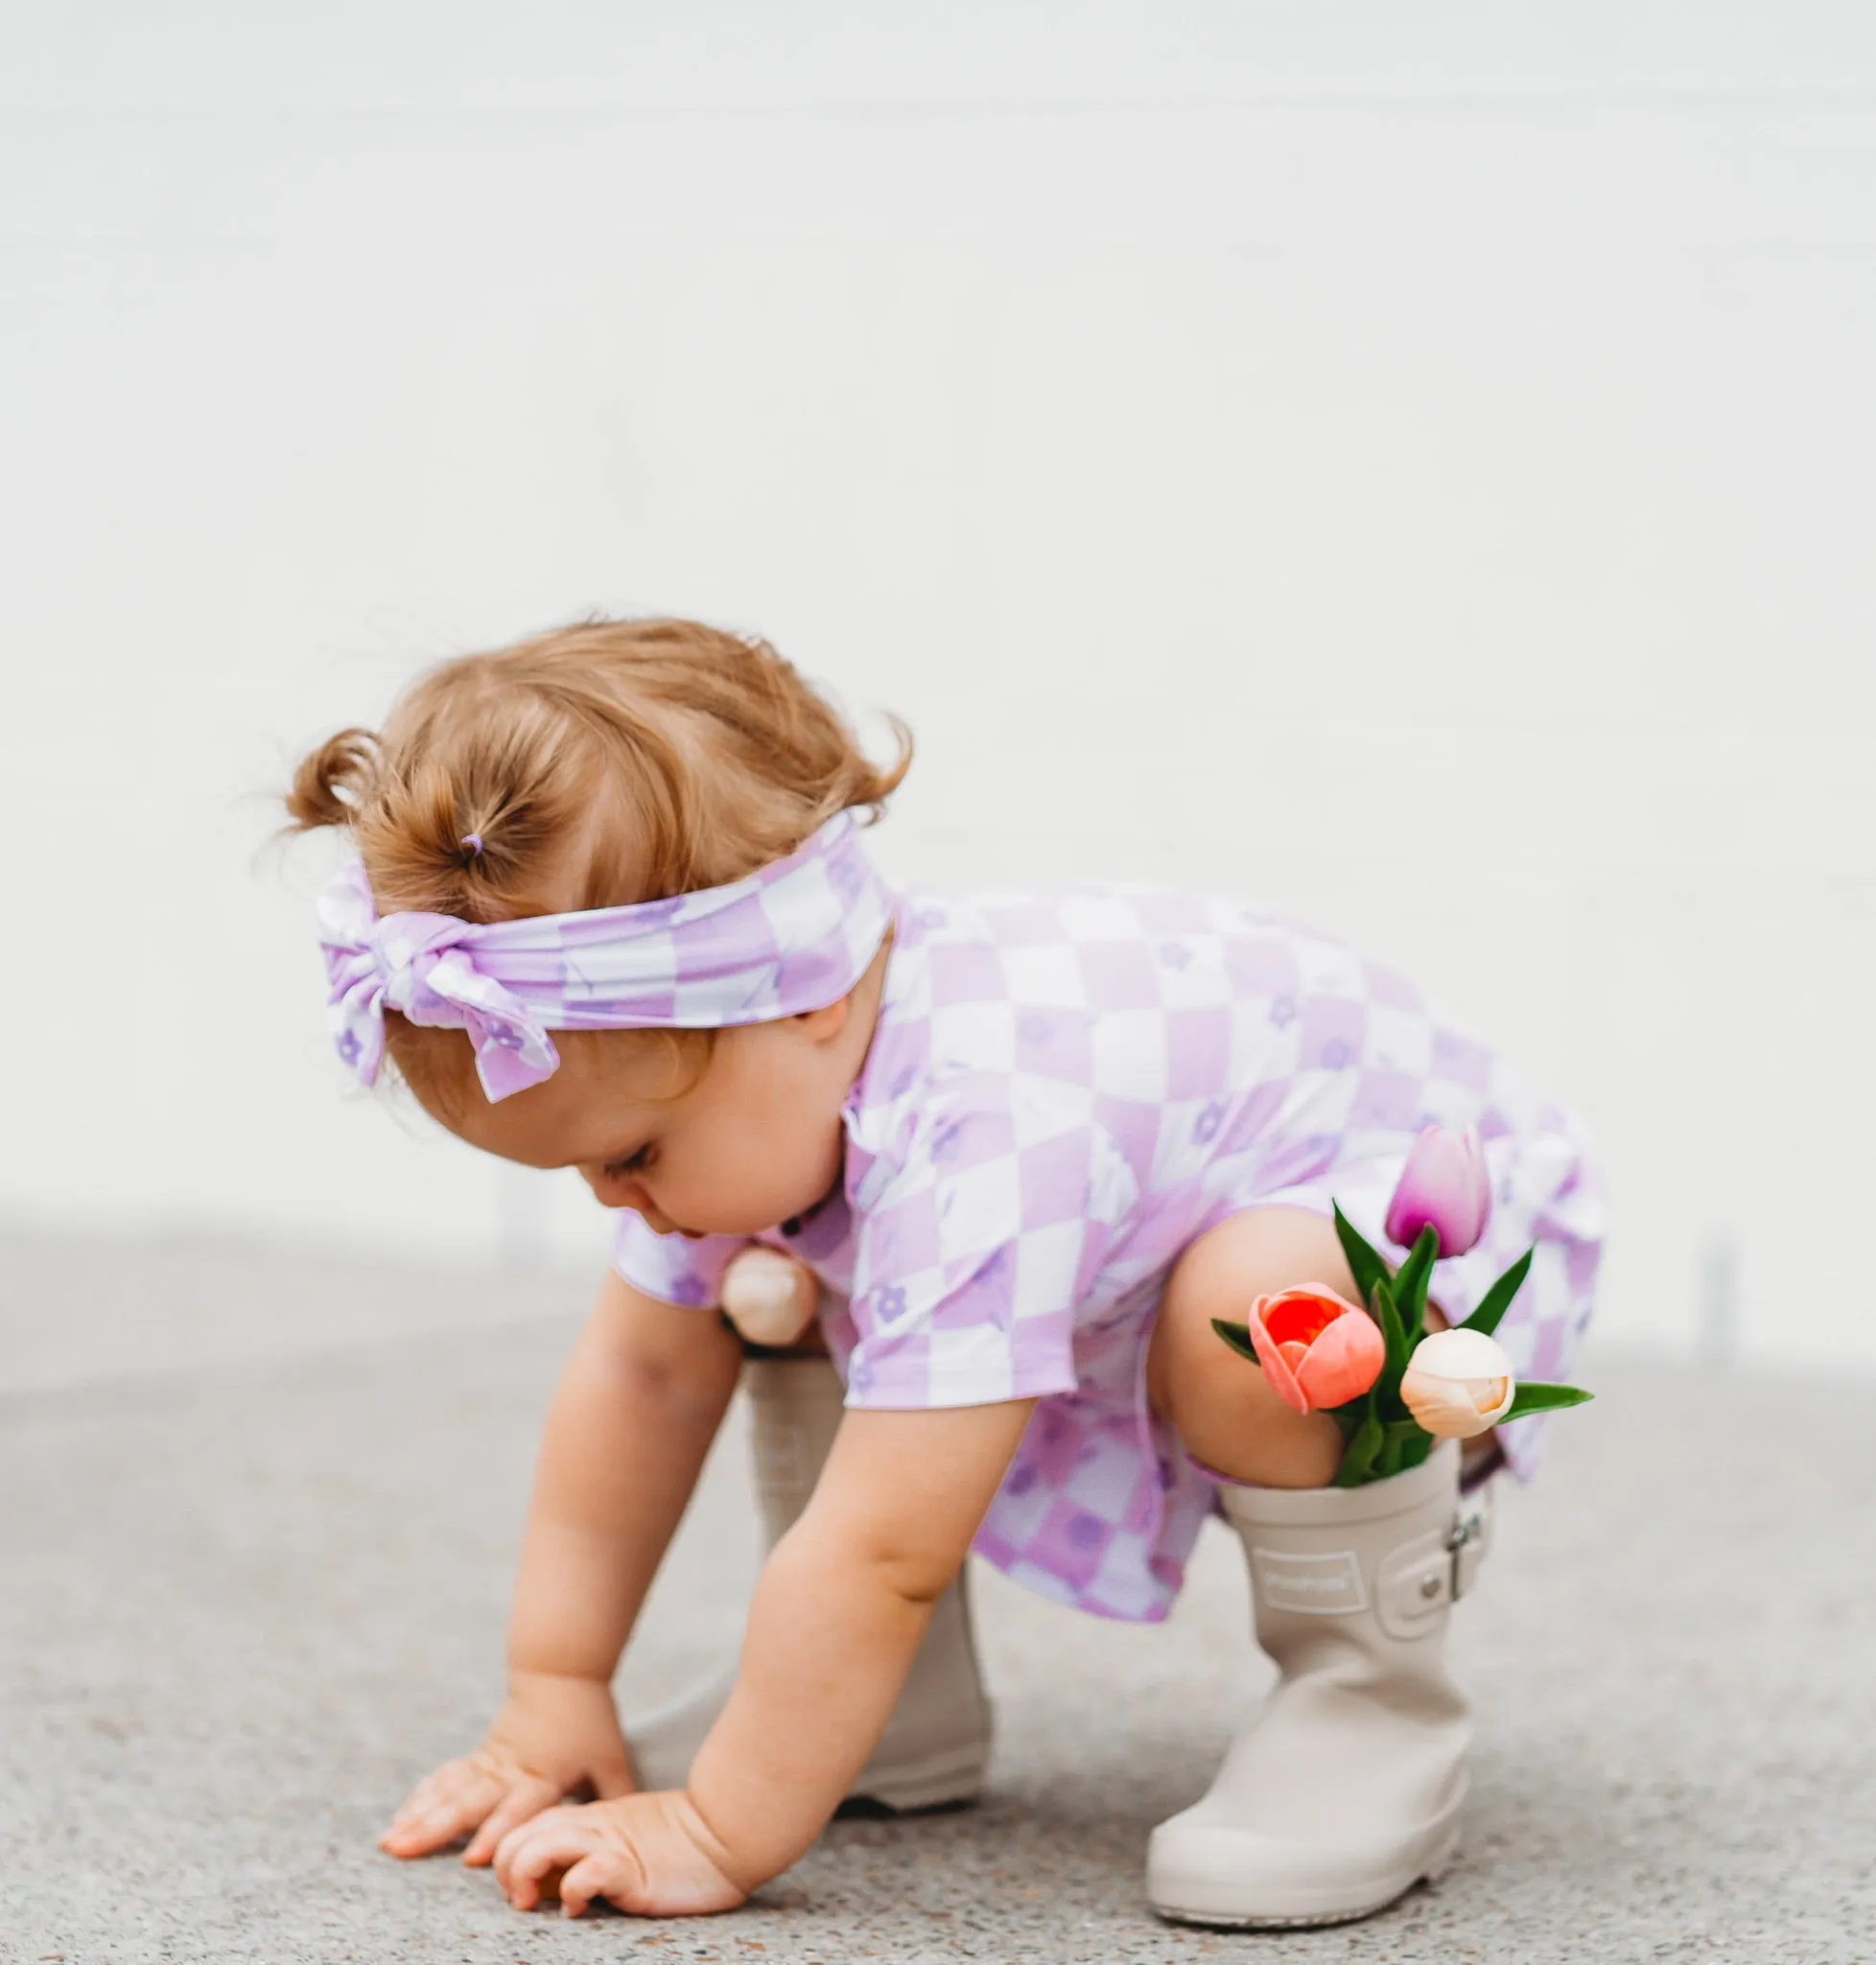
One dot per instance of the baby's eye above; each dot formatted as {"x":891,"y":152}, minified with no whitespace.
{"x":632,"y":1163}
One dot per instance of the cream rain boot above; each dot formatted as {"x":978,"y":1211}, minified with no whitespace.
{"x":1345,"y":1788}
{"x":933,"y":1750}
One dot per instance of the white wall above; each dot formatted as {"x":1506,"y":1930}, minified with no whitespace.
{"x":1409,"y":464}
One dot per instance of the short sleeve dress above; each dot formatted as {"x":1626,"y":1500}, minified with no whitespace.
{"x":1063,"y":1093}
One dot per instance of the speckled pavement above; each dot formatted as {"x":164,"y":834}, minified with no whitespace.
{"x":257,"y":1515}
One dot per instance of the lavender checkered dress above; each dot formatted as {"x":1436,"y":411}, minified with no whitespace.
{"x":1063,"y":1093}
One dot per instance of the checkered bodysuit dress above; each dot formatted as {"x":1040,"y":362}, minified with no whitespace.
{"x":1063,"y":1092}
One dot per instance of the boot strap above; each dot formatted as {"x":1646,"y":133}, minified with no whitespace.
{"x":1466,"y":1542}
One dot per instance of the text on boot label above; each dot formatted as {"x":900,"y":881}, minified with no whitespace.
{"x":1317,"y":1585}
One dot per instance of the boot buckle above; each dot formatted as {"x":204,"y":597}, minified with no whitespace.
{"x":1465,"y":1548}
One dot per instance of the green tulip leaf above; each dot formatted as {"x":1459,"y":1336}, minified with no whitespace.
{"x":1497,"y":1300}
{"x":1238,"y":1337}
{"x":1532,"y":1398}
{"x":1348,"y":1418}
{"x":1413,"y":1276}
{"x":1414,"y":1452}
{"x":1407,"y":1446}
{"x":1393,"y":1332}
{"x":1366,"y":1264}
{"x":1361,"y":1454}
{"x":1397,"y":1446}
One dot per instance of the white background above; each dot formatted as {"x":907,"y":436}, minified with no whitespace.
{"x":1408,"y":465}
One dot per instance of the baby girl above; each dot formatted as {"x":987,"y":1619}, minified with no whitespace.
{"x":1027,"y":1146}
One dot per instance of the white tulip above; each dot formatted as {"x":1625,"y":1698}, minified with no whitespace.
{"x":769,"y":1297}
{"x":1458,"y":1383}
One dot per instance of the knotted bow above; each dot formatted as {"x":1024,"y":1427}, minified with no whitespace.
{"x":790,"y":937}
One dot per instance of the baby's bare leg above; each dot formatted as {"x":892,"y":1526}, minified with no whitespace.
{"x":1223,"y":1406}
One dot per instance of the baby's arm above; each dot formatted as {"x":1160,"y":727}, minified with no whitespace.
{"x":638,"y":1406}
{"x":836,"y":1619}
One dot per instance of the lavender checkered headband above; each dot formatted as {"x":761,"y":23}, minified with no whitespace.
{"x":792,"y":936}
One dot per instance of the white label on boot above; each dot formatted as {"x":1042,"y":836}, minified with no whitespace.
{"x":1316,"y":1585}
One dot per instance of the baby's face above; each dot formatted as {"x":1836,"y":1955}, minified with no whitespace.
{"x":754,"y":1140}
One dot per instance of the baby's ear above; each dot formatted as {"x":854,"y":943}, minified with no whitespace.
{"x":826,"y":1023}
{"x":769,"y":1297}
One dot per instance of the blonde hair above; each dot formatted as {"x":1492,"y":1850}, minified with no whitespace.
{"x":598,"y":764}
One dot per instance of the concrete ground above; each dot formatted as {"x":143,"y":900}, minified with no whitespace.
{"x":257,"y":1518}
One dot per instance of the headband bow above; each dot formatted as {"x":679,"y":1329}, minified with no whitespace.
{"x":792,"y":936}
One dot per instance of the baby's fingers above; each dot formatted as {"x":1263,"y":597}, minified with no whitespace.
{"x":608,"y":1873}
{"x":525,"y":1800}
{"x":555,"y":1840}
{"x":452,"y":1801}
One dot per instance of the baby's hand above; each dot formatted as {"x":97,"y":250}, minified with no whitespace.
{"x":648,"y":1854}
{"x":554,"y":1735}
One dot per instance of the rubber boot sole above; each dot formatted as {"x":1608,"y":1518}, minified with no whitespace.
{"x":1304,"y":1917}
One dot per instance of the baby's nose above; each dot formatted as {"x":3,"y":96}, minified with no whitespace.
{"x":634,"y":1197}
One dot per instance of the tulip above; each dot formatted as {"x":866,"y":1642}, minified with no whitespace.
{"x":1445,"y":1186}
{"x":1458,"y":1384}
{"x":769,"y":1297}
{"x":1317,"y":1349}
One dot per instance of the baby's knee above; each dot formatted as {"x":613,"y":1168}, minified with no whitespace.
{"x":1224,"y":1409}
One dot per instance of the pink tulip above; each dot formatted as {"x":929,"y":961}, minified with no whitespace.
{"x":1445,"y":1186}
{"x":1317,"y":1349}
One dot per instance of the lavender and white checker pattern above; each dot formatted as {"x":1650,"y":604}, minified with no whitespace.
{"x":1063,"y":1093}
{"x":794,"y":935}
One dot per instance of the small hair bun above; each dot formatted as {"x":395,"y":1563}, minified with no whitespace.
{"x":334,"y":780}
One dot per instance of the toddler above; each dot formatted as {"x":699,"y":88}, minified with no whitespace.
{"x":1029,"y":1146}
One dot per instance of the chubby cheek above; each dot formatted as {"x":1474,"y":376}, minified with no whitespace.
{"x":742,"y":1179}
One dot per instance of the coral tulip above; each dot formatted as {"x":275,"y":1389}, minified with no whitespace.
{"x":1445,"y":1186}
{"x":769,"y":1297}
{"x":1317,"y":1349}
{"x":1458,"y":1384}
